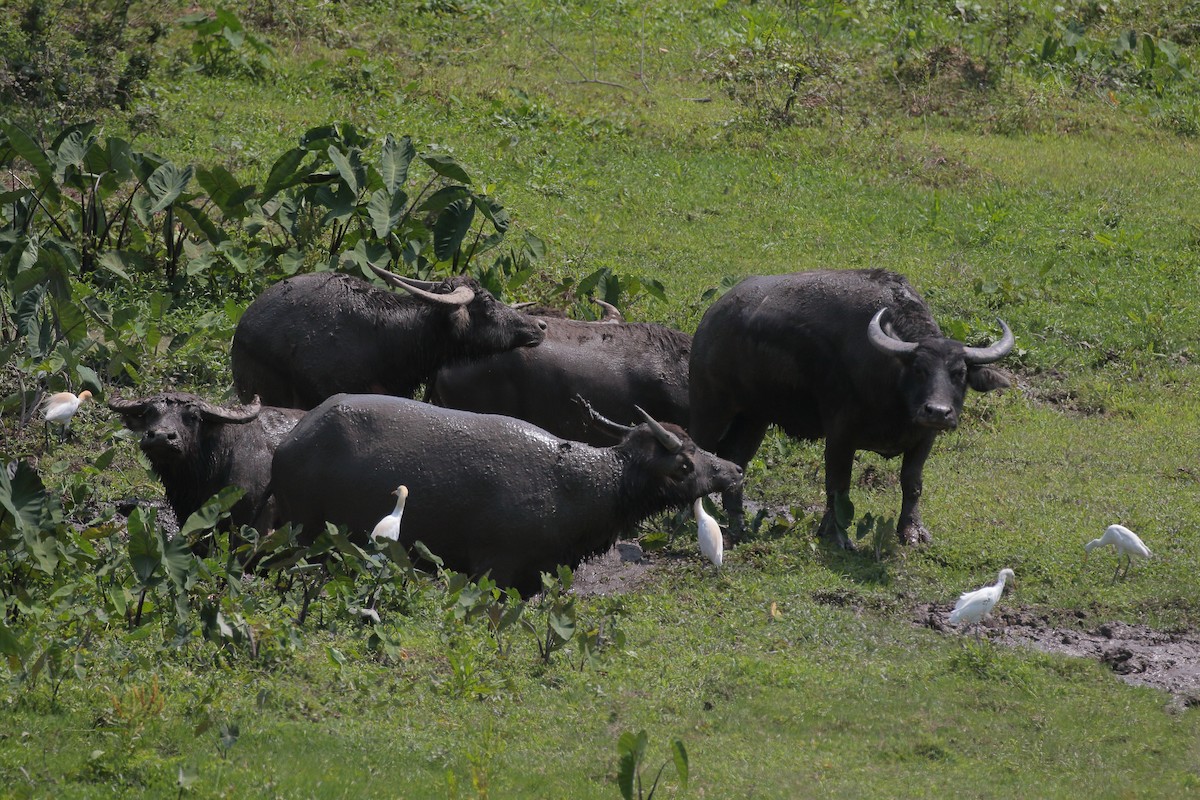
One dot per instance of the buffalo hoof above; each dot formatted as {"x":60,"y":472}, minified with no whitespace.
{"x":830,"y":532}
{"x":914,"y":534}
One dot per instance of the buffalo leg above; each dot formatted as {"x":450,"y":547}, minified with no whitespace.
{"x":839,"y":459}
{"x":909,"y":527}
{"x":739,"y":444}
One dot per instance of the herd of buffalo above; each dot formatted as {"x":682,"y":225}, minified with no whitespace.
{"x":523,"y":459}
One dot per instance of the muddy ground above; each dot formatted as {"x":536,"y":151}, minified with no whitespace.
{"x":1137,"y":654}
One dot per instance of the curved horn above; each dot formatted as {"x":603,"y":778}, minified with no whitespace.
{"x":885,"y":343}
{"x":240,"y":414}
{"x":664,"y":436}
{"x":994,"y":352}
{"x":122,"y":406}
{"x":611,"y":312}
{"x":600,"y":422}
{"x":459,"y":297}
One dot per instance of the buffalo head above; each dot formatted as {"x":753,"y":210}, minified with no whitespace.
{"x":938,"y":370}
{"x":478,"y":322}
{"x":171,"y":423}
{"x":680,"y":470}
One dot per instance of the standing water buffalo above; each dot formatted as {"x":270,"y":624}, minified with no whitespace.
{"x":312,"y":336}
{"x":808,"y":352}
{"x":486,"y":493}
{"x":617,"y":366}
{"x":197,"y":449}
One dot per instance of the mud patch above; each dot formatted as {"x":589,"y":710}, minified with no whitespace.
{"x":624,"y":568}
{"x":1138,"y":655}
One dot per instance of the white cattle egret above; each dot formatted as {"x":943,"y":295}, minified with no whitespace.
{"x":974,"y":606}
{"x":709,"y":533}
{"x":1128,"y":544}
{"x":389,"y":526}
{"x":61,"y":406}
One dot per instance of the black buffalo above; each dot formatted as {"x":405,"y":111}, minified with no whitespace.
{"x":617,"y":366}
{"x":312,"y":336}
{"x":197,"y":449}
{"x":808,"y":352}
{"x":487,"y":494}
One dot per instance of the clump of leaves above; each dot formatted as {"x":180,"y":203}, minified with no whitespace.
{"x":631,"y":752}
{"x":223,"y":47}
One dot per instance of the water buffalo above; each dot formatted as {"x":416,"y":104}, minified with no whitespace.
{"x":808,"y":352}
{"x":617,"y":366}
{"x":312,"y":336}
{"x":197,"y":448}
{"x":486,"y":493}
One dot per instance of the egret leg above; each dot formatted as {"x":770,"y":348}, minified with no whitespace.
{"x":1117,"y":571}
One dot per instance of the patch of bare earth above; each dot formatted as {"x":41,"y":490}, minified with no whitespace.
{"x":624,"y":568}
{"x":1137,"y":654}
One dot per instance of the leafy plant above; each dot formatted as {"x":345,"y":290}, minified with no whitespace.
{"x":222,"y":46}
{"x":631,"y":752}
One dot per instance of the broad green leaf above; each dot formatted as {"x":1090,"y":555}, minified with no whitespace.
{"x":680,"y":756}
{"x":23,"y":497}
{"x":443,"y":197}
{"x":562,"y":621}
{"x":397,"y":155}
{"x":115,"y":262}
{"x":496,"y":213}
{"x":198,"y":223}
{"x":71,"y":146}
{"x":446,"y":166}
{"x":211,"y":512}
{"x":385,"y":211}
{"x":336,"y":657}
{"x":285,"y":172}
{"x":425,"y":553}
{"x":166,"y":184}
{"x":345,"y":165}
{"x":225,"y":191}
{"x":10,"y":645}
{"x":28,"y":149}
{"x":178,"y":560}
{"x":451,"y":228}
{"x":144,"y":554}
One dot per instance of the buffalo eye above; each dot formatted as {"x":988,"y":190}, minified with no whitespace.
{"x":191,"y":415}
{"x":685,"y":467}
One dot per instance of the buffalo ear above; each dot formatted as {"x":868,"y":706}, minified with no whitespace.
{"x":460,"y":320}
{"x":986,"y":379}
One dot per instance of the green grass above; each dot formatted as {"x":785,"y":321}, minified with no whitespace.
{"x":1068,"y":216}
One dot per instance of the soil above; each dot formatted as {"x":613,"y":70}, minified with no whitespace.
{"x":624,"y":568}
{"x":1136,"y":654}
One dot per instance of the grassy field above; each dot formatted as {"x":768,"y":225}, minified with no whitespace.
{"x":691,"y":144}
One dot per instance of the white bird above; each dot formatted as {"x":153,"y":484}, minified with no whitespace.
{"x":389,"y":526}
{"x":60,"y":407}
{"x":1128,"y":544}
{"x":709,"y":533}
{"x":974,"y":606}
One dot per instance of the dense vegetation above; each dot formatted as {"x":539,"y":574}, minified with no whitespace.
{"x":1030,"y":160}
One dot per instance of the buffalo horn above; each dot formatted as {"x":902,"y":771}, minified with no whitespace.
{"x":600,"y":422}
{"x":994,"y":352}
{"x":611,"y":312}
{"x":122,"y":406}
{"x":886,"y":343}
{"x":664,"y":436}
{"x":212,"y":413}
{"x":459,"y":297}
